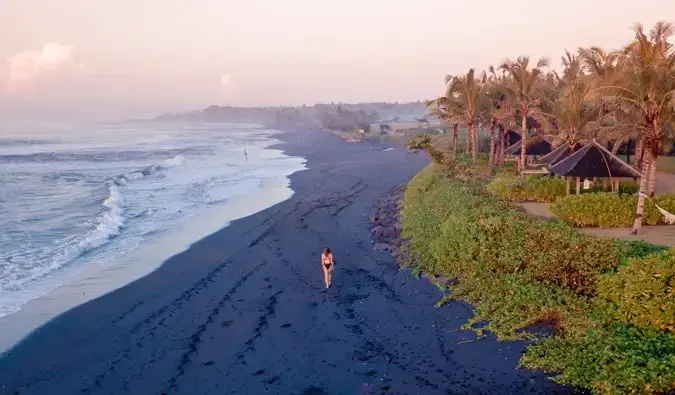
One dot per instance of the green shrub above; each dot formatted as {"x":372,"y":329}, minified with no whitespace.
{"x":609,"y":210}
{"x":619,"y":359}
{"x":644,"y":290}
{"x":519,"y":270}
{"x":627,"y":187}
{"x":541,"y":188}
{"x":466,"y":233}
{"x":535,"y":188}
{"x":629,"y":249}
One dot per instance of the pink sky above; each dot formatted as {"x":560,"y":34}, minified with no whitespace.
{"x":95,"y":59}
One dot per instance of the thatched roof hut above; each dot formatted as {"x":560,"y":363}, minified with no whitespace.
{"x":558,"y":154}
{"x":535,"y":145}
{"x":511,"y":137}
{"x":594,"y":160}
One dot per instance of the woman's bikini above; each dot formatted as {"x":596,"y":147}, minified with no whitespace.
{"x":326,"y":261}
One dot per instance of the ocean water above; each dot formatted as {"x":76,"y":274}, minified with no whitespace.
{"x":73,"y":196}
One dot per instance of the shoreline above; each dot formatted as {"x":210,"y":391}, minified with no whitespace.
{"x":244,"y":310}
{"x":96,"y":279}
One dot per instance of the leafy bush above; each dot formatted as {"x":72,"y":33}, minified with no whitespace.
{"x":619,"y":359}
{"x":519,"y":271}
{"x":543,"y":188}
{"x":609,"y":210}
{"x":644,"y":290}
{"x":535,"y":188}
{"x":627,"y":187}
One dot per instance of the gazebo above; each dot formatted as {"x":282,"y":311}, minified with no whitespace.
{"x":558,"y":154}
{"x":511,"y":137}
{"x":593,"y":160}
{"x":535,"y":146}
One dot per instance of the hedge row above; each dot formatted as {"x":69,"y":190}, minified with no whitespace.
{"x":519,"y":270}
{"x":609,"y":210}
{"x":543,"y":188}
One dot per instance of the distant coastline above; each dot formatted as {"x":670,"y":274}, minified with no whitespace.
{"x":292,"y":115}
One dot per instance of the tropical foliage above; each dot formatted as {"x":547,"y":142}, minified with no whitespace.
{"x":611,"y":96}
{"x":609,"y":302}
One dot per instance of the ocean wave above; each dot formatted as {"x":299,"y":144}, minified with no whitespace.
{"x":22,"y":268}
{"x":108,"y":225}
{"x":123,"y":179}
{"x":10,"y":142}
{"x":98,"y":156}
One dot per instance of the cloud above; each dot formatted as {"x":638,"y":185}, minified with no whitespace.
{"x":33,"y":69}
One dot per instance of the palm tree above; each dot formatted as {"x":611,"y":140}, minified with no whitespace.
{"x":603,"y":67}
{"x":494,"y":109}
{"x":446,"y":110}
{"x":523,"y":90}
{"x":461,"y":105}
{"x":576,"y":114}
{"x":645,"y":88}
{"x":445,"y":117}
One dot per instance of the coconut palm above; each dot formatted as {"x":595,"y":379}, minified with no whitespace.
{"x":462,"y":103}
{"x":446,"y":118}
{"x":524,"y":90}
{"x":604,"y":67}
{"x":446,"y":110}
{"x":576,"y":114}
{"x":645,"y":88}
{"x":494,"y":109}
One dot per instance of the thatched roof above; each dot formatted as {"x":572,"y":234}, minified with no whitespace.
{"x":535,"y":145}
{"x":511,"y":137}
{"x":593,"y":160}
{"x":558,"y":154}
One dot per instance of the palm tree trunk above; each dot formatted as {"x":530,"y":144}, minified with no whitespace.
{"x":455,"y":136}
{"x":616,"y":146}
{"x":492,"y":147}
{"x":474,"y":148}
{"x":502,"y":143}
{"x":639,"y":152}
{"x":467,"y":142}
{"x":651,"y":183}
{"x":523,"y":144}
{"x":640,"y":210}
{"x":568,"y":186}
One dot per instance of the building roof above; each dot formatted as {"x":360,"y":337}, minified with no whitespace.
{"x":511,"y":137}
{"x":593,"y":160}
{"x":559,"y":153}
{"x":535,"y":145}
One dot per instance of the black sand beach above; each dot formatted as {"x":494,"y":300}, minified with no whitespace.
{"x":244,"y":310}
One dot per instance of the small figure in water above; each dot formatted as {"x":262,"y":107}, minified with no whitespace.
{"x":328,"y":266}
{"x":245,"y":154}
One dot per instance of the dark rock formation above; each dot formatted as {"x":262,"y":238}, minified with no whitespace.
{"x":386,"y":227}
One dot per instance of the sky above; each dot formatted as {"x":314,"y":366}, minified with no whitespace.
{"x":122,"y":59}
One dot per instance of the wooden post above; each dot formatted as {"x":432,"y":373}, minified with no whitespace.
{"x":578,"y":185}
{"x":567,"y":187}
{"x":616,"y":185}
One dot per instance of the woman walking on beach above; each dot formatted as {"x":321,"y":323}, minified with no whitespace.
{"x":328,"y":266}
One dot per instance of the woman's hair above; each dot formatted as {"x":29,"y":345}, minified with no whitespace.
{"x":326,"y":250}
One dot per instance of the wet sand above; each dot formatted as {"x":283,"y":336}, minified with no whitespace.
{"x":244,"y":311}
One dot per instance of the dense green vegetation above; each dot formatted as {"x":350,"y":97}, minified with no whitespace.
{"x":610,"y":301}
{"x":543,"y":188}
{"x":609,"y":210}
{"x":533,"y":188}
{"x":621,"y":98}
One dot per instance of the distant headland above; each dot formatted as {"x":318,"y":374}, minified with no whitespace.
{"x":283,"y":115}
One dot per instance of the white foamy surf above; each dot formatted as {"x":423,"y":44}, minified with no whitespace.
{"x":80,"y":199}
